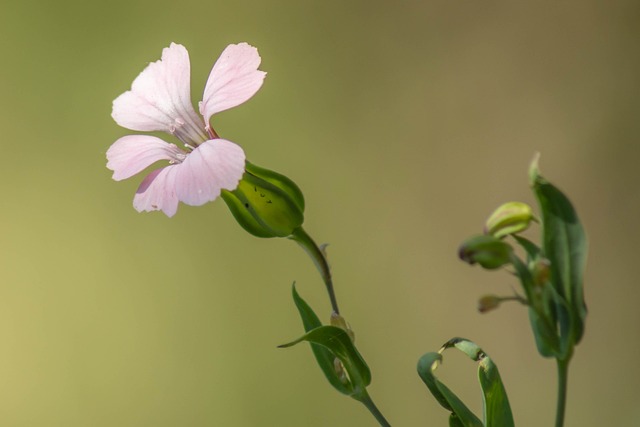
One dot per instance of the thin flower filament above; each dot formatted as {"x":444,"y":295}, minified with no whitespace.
{"x":188,"y":132}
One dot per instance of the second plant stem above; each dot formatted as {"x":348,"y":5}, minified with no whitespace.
{"x":563,"y":376}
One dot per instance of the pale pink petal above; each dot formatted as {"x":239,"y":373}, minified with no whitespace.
{"x":216,"y":164}
{"x":157,"y":192}
{"x":160,"y":97}
{"x":133,"y":153}
{"x":233,"y":80}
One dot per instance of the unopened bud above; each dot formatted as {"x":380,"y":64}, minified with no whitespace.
{"x":339,"y":322}
{"x":488,"y":303}
{"x":338,"y":367}
{"x":510,"y":218}
{"x":541,"y":271}
{"x":266,"y":203}
{"x":488,"y":251}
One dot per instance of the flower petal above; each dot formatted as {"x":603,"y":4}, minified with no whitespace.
{"x":157,"y":192}
{"x":216,"y":164}
{"x":160,"y":97}
{"x":133,"y":153}
{"x":233,"y":80}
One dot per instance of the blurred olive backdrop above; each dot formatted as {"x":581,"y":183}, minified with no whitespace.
{"x":404,"y":122}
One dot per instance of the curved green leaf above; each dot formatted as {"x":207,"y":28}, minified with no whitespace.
{"x":496,"y":408}
{"x":337,"y":341}
{"x":497,"y":411}
{"x":323,"y":356}
{"x":460,"y":414}
{"x":329,"y":343}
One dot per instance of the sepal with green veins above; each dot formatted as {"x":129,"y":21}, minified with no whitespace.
{"x":266,"y":203}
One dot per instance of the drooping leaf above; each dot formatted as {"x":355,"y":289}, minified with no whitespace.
{"x":338,"y":342}
{"x":564,"y":245}
{"x":323,"y":355}
{"x":461,"y":415}
{"x":496,"y":408}
{"x":329,"y":343}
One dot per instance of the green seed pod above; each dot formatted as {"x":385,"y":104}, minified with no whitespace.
{"x":488,"y":251}
{"x":266,"y":203}
{"x":510,"y":218}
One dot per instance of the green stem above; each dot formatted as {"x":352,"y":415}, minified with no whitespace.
{"x":319,"y":259}
{"x":563,"y":373}
{"x":368,"y":402}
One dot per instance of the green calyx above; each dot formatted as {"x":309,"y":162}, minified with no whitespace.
{"x":488,"y":251}
{"x":509,"y":218}
{"x":266,"y":203}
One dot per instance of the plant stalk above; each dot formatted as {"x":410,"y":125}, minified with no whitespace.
{"x":368,"y":402}
{"x":319,"y":259}
{"x":563,"y":376}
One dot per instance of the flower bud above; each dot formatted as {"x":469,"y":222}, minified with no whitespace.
{"x":266,"y":203}
{"x":339,"y":322}
{"x":338,"y":367}
{"x":510,"y":218}
{"x":541,"y":270}
{"x":488,"y":251}
{"x":488,"y":303}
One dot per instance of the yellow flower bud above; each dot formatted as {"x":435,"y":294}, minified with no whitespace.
{"x":510,"y":218}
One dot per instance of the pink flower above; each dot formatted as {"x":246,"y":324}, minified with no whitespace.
{"x":160,"y":100}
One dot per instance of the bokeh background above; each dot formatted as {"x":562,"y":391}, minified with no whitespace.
{"x":404,"y":122}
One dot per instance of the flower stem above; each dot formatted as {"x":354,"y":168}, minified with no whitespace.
{"x":563,"y":372}
{"x":368,"y":402}
{"x":319,"y":259}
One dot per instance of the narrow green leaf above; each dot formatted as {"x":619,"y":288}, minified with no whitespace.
{"x":323,"y":355}
{"x":542,"y":320}
{"x":461,"y":415}
{"x":339,"y":343}
{"x":526,"y":279}
{"x":559,"y":310}
{"x":497,"y":411}
{"x":454,"y":421}
{"x":544,"y":334}
{"x":532,"y":250}
{"x":564,"y":245}
{"x":543,"y":315}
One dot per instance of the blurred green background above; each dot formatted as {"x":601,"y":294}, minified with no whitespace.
{"x":404,"y":122}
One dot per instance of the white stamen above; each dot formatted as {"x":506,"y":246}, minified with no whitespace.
{"x":187,"y":132}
